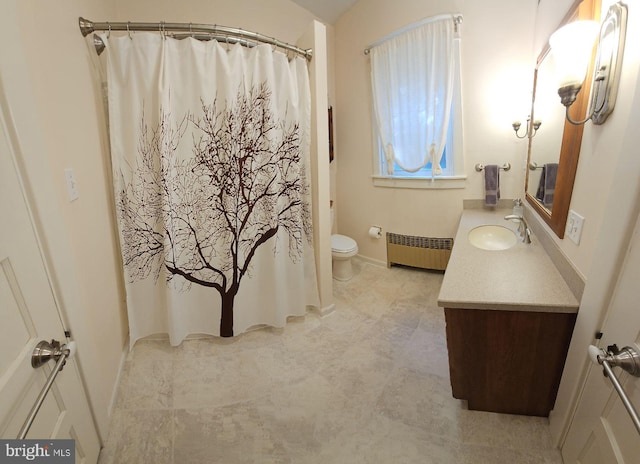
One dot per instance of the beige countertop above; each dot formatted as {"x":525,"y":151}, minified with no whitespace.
{"x":521,"y":278}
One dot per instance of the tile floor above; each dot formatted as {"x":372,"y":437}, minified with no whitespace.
{"x":367,"y":384}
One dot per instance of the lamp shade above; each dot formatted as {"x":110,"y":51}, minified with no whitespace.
{"x":571,"y":48}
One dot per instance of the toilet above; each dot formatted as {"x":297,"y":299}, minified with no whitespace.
{"x":343,"y":248}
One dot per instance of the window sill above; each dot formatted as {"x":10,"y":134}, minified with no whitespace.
{"x":450,"y":182}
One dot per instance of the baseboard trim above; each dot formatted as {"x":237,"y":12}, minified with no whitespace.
{"x":114,"y":392}
{"x":376,"y":262}
{"x":326,"y":310}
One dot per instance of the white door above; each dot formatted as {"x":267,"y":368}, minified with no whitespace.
{"x":601,"y":431}
{"x":28,"y":314}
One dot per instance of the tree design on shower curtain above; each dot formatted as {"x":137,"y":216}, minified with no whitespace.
{"x":200,"y":219}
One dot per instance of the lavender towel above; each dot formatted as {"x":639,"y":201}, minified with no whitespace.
{"x":550,"y":183}
{"x":540,"y":191}
{"x":491,"y":184}
{"x":547,"y":184}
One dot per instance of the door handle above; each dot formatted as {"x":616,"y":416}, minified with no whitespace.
{"x":46,"y":351}
{"x":627,"y":359}
{"x":43,"y":353}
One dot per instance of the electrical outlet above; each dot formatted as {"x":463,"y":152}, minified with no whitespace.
{"x":574,"y":226}
{"x":72,"y":185}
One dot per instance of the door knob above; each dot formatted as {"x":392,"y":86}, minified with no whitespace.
{"x":45,"y":351}
{"x":627,"y":358}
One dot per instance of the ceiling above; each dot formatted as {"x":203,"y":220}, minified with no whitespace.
{"x":327,"y":10}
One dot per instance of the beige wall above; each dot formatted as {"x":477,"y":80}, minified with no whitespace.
{"x":496,"y":82}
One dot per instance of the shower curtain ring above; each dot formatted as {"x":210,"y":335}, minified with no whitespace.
{"x":190,"y":30}
{"x":109,"y":32}
{"x":129,"y":30}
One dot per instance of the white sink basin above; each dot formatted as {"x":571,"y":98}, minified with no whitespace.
{"x":491,"y":237}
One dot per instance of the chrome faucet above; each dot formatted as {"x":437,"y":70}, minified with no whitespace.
{"x":523,"y":227}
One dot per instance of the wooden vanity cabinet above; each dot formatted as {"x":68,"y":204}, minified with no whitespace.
{"x":507,"y":361}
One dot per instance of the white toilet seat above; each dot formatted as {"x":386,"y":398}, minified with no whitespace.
{"x":342,"y":244}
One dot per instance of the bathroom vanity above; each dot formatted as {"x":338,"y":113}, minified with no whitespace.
{"x":509,"y":316}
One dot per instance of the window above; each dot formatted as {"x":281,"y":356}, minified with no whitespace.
{"x":416,"y":100}
{"x":425,"y":171}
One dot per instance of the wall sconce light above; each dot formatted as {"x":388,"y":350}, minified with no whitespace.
{"x":516,"y":127}
{"x":572,"y":45}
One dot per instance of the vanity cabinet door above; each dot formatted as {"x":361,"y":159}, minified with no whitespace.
{"x":507,"y":361}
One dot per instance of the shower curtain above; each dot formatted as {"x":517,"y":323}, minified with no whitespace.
{"x":210,"y":153}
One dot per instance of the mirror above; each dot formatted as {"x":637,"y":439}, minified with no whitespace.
{"x":556,"y":145}
{"x":544,"y":154}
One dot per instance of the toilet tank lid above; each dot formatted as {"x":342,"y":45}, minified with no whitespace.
{"x":343,"y":243}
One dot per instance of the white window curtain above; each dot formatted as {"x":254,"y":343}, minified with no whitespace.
{"x":412,"y":78}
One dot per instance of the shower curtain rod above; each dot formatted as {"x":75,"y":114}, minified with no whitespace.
{"x":184,"y":30}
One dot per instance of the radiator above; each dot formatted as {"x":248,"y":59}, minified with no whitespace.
{"x":422,"y":252}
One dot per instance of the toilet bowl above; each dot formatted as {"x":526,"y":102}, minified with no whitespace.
{"x":343,"y":248}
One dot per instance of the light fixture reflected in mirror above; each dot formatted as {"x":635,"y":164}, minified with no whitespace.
{"x":516,"y":127}
{"x":572,"y":46}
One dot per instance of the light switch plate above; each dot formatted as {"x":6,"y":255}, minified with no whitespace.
{"x":574,"y":227}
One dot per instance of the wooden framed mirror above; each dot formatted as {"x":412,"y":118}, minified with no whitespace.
{"x":553,"y":152}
